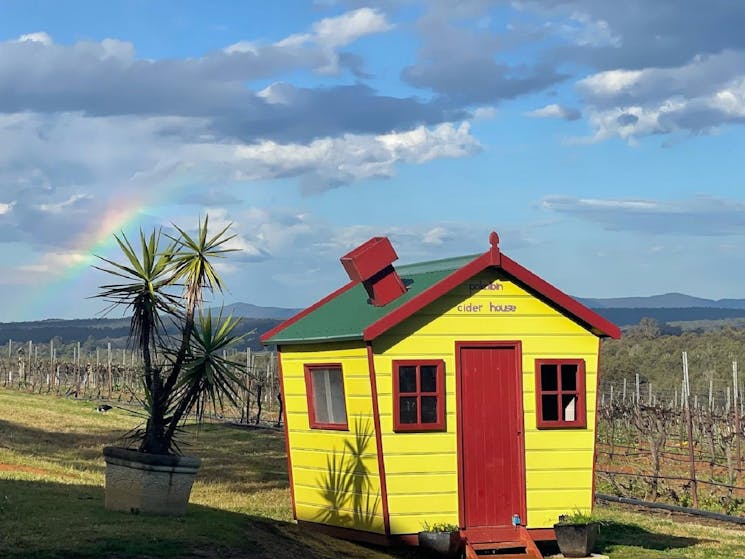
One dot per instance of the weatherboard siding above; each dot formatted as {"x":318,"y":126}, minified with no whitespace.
{"x":422,"y":468}
{"x":334,"y":473}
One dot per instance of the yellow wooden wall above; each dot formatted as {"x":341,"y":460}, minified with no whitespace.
{"x":325,"y":462}
{"x":421,"y":468}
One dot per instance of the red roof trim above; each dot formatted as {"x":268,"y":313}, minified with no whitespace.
{"x":493,"y":257}
{"x":266,"y":336}
{"x":426,"y":297}
{"x":560,"y":298}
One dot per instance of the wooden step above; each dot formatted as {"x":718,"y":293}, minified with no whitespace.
{"x":498,"y":545}
{"x":507,"y":543}
{"x":504,"y":550}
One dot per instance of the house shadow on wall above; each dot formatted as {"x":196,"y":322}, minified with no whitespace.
{"x":346,"y":486}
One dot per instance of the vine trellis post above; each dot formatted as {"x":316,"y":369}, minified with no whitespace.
{"x":689,"y":421}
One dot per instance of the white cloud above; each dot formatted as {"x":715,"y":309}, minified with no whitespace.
{"x":6,"y":207}
{"x":39,"y":37}
{"x":326,"y":36}
{"x":335,"y":161}
{"x":696,"y":97}
{"x":65,"y":205}
{"x":423,"y":144}
{"x":593,"y":32}
{"x":610,"y":83}
{"x":555,"y":111}
{"x":347,"y":28}
{"x":701,"y":216}
{"x":46,"y":266}
{"x":436,"y":236}
{"x":484,"y":113}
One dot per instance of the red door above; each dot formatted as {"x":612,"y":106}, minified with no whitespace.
{"x":492,"y":450}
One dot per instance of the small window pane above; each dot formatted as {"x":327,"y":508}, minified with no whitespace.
{"x":550,"y":408}
{"x":429,"y":409}
{"x":338,"y":409}
{"x":320,"y":402}
{"x":569,"y":405}
{"x":408,"y":409}
{"x":407,"y":379}
{"x":569,"y":377}
{"x":328,"y":396}
{"x":549,"y":377}
{"x":428,"y":378}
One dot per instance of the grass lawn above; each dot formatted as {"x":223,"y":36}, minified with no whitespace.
{"x":51,"y":498}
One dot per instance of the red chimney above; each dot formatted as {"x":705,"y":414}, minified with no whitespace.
{"x":371,"y":263}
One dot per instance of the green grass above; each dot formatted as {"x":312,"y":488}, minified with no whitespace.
{"x":51,"y":498}
{"x":626,"y":534}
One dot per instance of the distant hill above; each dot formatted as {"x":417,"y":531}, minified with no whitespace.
{"x":247,"y":310}
{"x":630,"y":316}
{"x":666,"y":301}
{"x":670,"y":307}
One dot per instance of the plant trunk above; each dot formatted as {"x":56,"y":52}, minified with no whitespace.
{"x":170,"y":385}
{"x":153,"y":442}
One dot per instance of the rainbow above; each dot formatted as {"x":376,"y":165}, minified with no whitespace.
{"x":97,"y":239}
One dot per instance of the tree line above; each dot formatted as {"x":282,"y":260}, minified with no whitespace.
{"x":653,"y":351}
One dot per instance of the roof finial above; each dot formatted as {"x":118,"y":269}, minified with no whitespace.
{"x":494,"y":255}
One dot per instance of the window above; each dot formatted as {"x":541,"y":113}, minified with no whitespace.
{"x":324,"y":386}
{"x":560,"y":393}
{"x":418,"y":396}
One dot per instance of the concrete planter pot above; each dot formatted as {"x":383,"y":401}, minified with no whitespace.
{"x":443,"y":544}
{"x":576,"y":540}
{"x":148,"y":483}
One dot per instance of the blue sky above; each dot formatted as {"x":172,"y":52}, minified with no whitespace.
{"x":602,"y":140}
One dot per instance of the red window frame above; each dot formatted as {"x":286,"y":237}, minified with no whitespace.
{"x":580,"y":409}
{"x":439,"y":393}
{"x":313,"y":423}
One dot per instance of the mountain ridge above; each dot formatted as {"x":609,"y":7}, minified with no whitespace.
{"x":663,"y":301}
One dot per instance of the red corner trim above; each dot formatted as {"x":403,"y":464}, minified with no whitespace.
{"x":558,"y":297}
{"x":427,"y":296}
{"x":266,"y":336}
{"x":287,"y":431}
{"x":595,"y":434}
{"x":378,"y":439}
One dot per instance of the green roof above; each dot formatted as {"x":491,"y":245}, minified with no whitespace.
{"x":345,"y":316}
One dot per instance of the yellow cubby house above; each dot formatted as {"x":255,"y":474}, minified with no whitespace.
{"x":458,"y":391}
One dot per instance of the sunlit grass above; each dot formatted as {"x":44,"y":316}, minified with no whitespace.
{"x":658,"y":534}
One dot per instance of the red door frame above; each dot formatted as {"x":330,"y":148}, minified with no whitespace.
{"x":517,"y":346}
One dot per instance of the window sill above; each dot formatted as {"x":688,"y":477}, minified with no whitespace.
{"x":562,"y":425}
{"x":330,"y":426}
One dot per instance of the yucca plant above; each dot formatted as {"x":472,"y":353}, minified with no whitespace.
{"x":162,"y":285}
